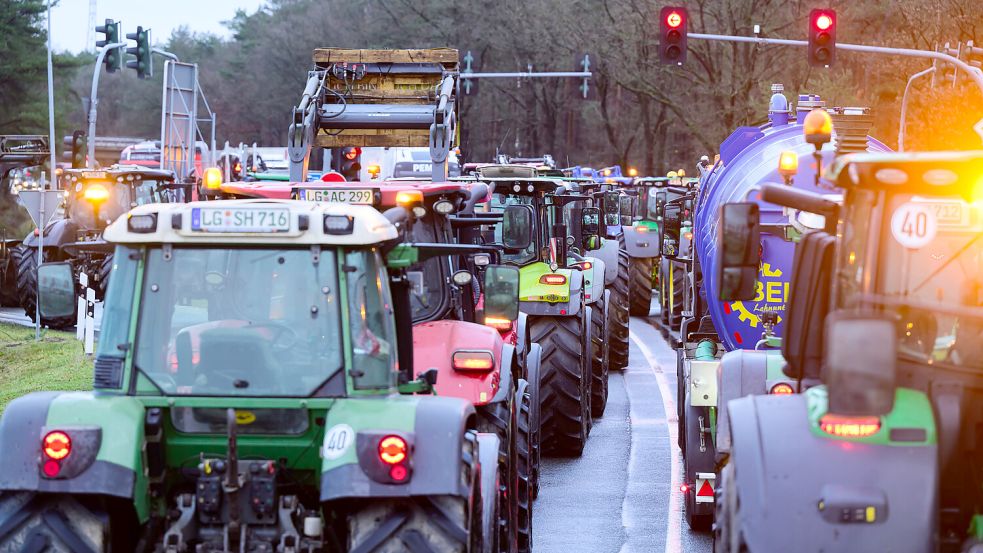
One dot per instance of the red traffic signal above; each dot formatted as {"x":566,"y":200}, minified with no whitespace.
{"x":673,"y":23}
{"x":822,"y":37}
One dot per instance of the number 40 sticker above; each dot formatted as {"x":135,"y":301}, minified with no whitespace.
{"x":914,"y":225}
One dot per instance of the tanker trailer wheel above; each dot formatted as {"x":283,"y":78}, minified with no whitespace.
{"x":680,"y":393}
{"x":424,"y":523}
{"x":618,"y":316}
{"x":27,"y":287}
{"x":641,"y":286}
{"x":599,"y":361}
{"x":564,"y":393}
{"x":699,"y":457}
{"x":63,"y":524}
{"x":524,"y":466}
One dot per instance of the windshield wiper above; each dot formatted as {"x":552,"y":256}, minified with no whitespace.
{"x":946,"y":264}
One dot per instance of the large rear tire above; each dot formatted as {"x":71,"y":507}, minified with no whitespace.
{"x":8,"y":280}
{"x":674,"y":295}
{"x":501,"y":419}
{"x":565,"y":393}
{"x":523,"y":402}
{"x":27,"y":287}
{"x":618,"y":316}
{"x":641,"y":286}
{"x":423,"y":524}
{"x":599,"y":361}
{"x":61,"y":523}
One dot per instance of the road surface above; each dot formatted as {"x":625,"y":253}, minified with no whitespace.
{"x":622,"y":495}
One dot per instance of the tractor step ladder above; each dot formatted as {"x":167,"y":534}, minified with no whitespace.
{"x":377,"y":98}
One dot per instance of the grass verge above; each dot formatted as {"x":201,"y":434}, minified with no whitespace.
{"x":57,"y":362}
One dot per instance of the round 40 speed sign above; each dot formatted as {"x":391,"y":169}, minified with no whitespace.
{"x":914,"y":225}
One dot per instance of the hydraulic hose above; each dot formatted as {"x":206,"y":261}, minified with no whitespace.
{"x":706,"y":350}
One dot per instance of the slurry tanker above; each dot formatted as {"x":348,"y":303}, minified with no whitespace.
{"x":728,"y":348}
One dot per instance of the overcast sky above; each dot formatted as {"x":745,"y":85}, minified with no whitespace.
{"x":70,"y":18}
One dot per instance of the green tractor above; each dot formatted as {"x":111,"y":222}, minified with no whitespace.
{"x":642,"y":244}
{"x":254,"y":391}
{"x":886,"y":312}
{"x":675,"y":200}
{"x":94,"y":198}
{"x":553,"y":289}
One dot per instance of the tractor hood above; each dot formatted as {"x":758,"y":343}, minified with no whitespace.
{"x":434,"y":347}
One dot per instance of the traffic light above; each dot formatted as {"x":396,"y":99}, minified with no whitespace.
{"x":350,"y":163}
{"x":113,"y":59}
{"x":673,"y":22}
{"x":143,"y":62}
{"x":79,"y":149}
{"x":822,"y":37}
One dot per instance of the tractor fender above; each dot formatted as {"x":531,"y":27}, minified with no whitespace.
{"x":56,"y":233}
{"x":521,"y":335}
{"x":789,"y":476}
{"x":506,"y":376}
{"x":594,"y":280}
{"x":434,"y":426}
{"x":107,"y":436}
{"x":741,"y":373}
{"x":533,"y":376}
{"x":608,"y":253}
{"x":641,"y":244}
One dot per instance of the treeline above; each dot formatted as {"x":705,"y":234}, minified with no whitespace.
{"x":638,"y":112}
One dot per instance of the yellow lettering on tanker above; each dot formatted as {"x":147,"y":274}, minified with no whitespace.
{"x":759,"y":291}
{"x":774,"y":292}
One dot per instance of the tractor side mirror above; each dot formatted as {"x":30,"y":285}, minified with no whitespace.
{"x":670,"y":229}
{"x":860,"y":377}
{"x":627,"y":210}
{"x":502,"y":292}
{"x":56,"y":286}
{"x":590,"y":228}
{"x":517,"y":227}
{"x":738,"y":244}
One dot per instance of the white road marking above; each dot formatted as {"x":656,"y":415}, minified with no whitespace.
{"x":673,"y":518}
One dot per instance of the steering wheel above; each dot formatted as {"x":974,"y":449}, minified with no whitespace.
{"x":280,"y":331}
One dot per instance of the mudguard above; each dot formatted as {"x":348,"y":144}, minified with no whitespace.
{"x":56,"y":233}
{"x":594,"y":280}
{"x":741,"y":373}
{"x":434,"y":425}
{"x":434,"y":344}
{"x":109,"y":467}
{"x":533,"y":376}
{"x":797,"y":489}
{"x":608,"y":253}
{"x":571,"y":307}
{"x":641,"y":244}
{"x":521,"y":335}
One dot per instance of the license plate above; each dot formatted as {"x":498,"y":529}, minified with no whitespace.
{"x":362,"y":196}
{"x":949,"y":213}
{"x":422,"y":167}
{"x":207,"y":219}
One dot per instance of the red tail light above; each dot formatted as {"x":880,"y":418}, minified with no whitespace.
{"x":552,"y":279}
{"x":56,"y":445}
{"x":464,"y":360}
{"x":782,"y":388}
{"x":392,"y":450}
{"x":849,"y":427}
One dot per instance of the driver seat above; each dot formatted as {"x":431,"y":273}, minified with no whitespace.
{"x":241,"y":352}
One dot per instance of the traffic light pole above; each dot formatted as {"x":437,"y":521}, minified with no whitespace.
{"x":975,"y":73}
{"x":94,"y":100}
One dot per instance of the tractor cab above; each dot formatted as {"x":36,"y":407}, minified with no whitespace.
{"x":887,"y":313}
{"x":98,"y":197}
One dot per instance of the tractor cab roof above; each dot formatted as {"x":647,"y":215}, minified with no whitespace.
{"x":259,"y":222}
{"x":534,"y":186}
{"x":924,"y":173}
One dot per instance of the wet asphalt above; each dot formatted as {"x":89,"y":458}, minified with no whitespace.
{"x":620,"y":496}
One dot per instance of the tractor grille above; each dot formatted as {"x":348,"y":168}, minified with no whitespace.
{"x":108,"y":372}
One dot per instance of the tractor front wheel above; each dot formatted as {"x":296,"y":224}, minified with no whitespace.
{"x":641,"y":286}
{"x":524,"y":467}
{"x":599,"y":360}
{"x":618,"y":316}
{"x":564,"y":392}
{"x":426,"y":523}
{"x":27,"y":287}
